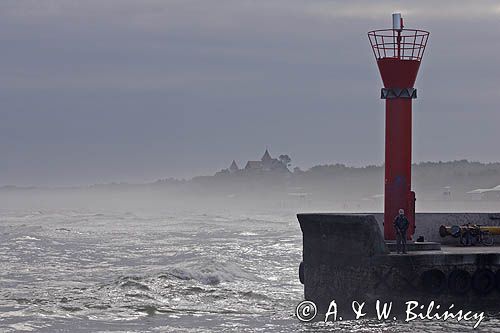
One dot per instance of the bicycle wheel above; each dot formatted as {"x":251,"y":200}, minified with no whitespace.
{"x":487,"y":239}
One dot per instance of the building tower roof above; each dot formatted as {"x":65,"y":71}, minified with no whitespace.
{"x":234,"y":166}
{"x":266,"y":157}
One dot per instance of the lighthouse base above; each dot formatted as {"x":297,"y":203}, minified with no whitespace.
{"x":415,"y":246}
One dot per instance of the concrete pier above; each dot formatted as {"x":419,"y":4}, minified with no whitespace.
{"x":346,"y":258}
{"x":427,"y":224}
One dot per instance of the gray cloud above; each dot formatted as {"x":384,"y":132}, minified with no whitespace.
{"x":96,"y":91}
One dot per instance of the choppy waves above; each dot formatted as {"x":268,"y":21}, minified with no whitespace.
{"x":100,"y":271}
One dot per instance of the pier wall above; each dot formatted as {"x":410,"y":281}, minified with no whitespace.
{"x":345,"y":258}
{"x":427,"y":224}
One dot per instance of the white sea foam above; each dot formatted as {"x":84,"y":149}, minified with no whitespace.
{"x":211,"y":272}
{"x":26,"y":238}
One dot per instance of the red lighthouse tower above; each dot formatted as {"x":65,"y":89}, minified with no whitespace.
{"x":398,"y":53}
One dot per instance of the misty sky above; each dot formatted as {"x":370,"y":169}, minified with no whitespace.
{"x":98,"y":91}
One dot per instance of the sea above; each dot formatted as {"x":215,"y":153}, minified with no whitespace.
{"x":172,"y":271}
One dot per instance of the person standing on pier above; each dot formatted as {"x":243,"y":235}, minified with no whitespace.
{"x":401,"y":225}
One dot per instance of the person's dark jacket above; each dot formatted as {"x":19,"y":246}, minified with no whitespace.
{"x":401,"y":223}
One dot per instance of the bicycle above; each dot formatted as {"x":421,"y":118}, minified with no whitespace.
{"x":472,"y":235}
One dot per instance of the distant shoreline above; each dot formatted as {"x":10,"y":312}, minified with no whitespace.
{"x":493,"y":167}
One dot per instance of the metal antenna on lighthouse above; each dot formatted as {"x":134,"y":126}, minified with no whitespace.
{"x":397,"y":22}
{"x":397,"y":25}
